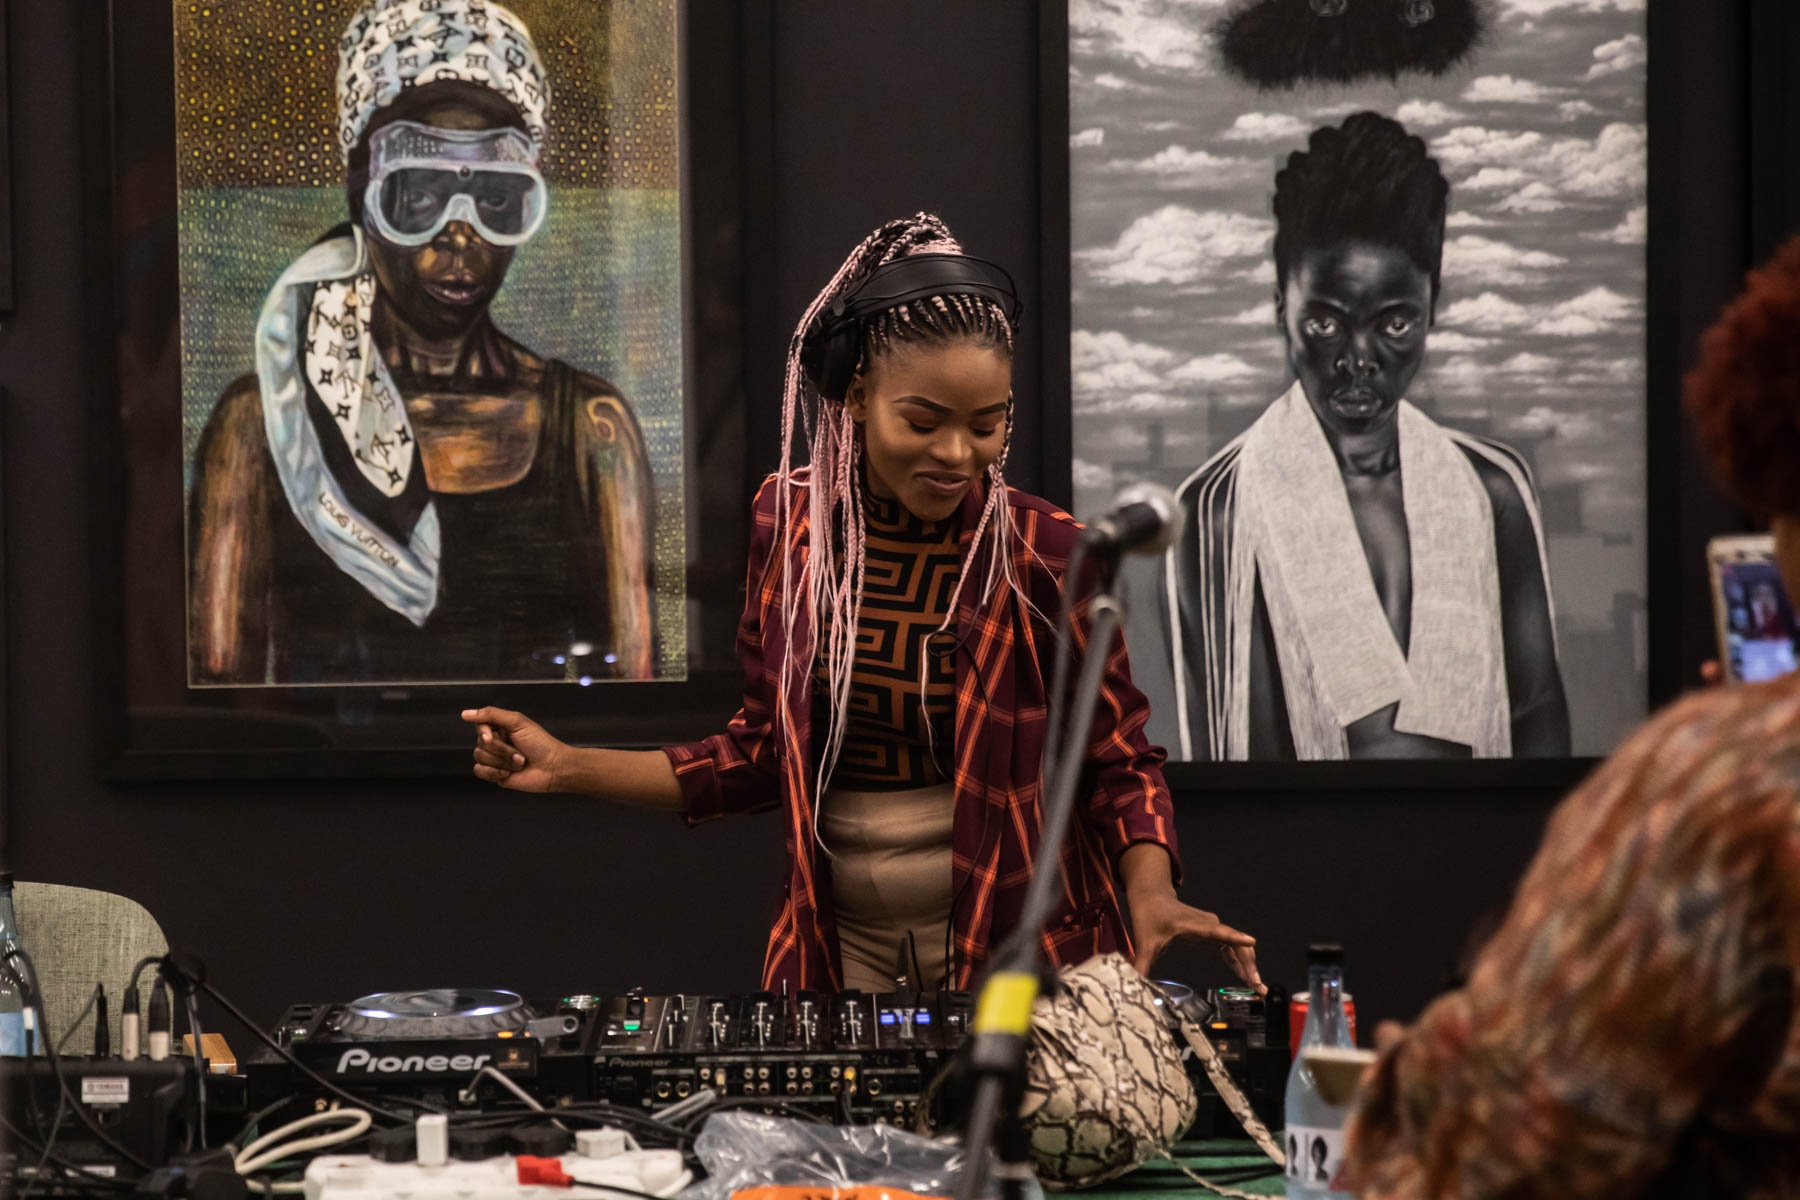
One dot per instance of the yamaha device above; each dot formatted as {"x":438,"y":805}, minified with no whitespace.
{"x":112,"y":1111}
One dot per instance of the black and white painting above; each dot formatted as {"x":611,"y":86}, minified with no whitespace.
{"x":1364,"y":281}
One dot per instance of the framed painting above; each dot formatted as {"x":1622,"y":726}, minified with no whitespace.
{"x":1366,"y":283}
{"x":409,"y":415}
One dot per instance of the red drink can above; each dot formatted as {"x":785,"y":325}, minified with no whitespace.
{"x":1297,"y":1005}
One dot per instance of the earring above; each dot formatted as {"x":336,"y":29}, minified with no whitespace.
{"x":1329,"y":8}
{"x":1415,"y":13}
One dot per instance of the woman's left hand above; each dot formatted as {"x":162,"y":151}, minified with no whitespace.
{"x":1158,"y":920}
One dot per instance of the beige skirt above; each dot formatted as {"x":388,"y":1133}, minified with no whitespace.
{"x":890,"y":876}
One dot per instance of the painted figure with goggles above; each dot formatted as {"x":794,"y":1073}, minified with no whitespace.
{"x":401,"y":491}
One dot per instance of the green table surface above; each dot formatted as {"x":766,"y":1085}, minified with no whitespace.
{"x":1203,"y":1158}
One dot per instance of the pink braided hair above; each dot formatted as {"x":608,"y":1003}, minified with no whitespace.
{"x":831,"y":581}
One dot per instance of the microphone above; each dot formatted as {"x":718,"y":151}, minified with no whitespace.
{"x":1144,"y":519}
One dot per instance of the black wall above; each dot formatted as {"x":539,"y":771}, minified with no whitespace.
{"x":865,"y":109}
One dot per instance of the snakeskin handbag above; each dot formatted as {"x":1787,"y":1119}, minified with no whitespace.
{"x":1106,"y":1088}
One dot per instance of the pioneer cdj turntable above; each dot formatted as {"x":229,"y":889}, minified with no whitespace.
{"x":430,"y":1044}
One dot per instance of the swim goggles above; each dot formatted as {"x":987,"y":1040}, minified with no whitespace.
{"x":422,"y":177}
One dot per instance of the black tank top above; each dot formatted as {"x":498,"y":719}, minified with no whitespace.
{"x":519,"y":582}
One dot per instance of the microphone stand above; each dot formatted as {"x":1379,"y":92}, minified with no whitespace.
{"x":1019,"y":973}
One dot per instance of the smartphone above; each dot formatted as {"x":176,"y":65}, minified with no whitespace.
{"x":1754,"y":616}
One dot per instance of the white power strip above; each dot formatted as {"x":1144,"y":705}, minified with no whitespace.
{"x":359,"y":1177}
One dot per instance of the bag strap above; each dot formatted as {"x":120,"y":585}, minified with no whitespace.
{"x":1222,"y":1189}
{"x":1228,"y":1090}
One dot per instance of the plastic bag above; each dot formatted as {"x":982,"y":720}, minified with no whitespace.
{"x":742,"y":1150}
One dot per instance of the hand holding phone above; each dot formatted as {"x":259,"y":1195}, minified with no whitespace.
{"x":1752,"y":611}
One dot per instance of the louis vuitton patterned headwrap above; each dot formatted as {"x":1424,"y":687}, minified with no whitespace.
{"x":393,"y":45}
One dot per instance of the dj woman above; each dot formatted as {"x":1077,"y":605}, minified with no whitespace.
{"x":897,"y":650}
{"x":401,"y":491}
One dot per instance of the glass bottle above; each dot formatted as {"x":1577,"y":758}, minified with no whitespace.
{"x":1314,"y":1132}
{"x":12,"y":1003}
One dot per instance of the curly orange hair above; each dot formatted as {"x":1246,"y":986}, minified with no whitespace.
{"x":1744,"y":394}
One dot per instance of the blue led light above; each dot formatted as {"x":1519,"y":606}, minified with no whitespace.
{"x":921,"y":1018}
{"x":887,"y":1018}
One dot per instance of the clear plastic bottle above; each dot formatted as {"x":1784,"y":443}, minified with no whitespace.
{"x":1315,"y":1129}
{"x":12,"y":1005}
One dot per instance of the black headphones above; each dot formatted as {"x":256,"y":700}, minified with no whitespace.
{"x":832,"y":347}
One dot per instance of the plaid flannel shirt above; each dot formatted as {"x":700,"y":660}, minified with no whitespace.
{"x":1003,"y":676}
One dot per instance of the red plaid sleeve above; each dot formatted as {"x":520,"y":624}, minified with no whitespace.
{"x":1130,"y":800}
{"x":737,"y":770}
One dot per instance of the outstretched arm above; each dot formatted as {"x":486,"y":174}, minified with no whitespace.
{"x":517,"y":753}
{"x":622,"y":506}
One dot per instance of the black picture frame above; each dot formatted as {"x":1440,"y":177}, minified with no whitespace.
{"x":6,"y":790}
{"x":1664,"y":432}
{"x":6,"y":172}
{"x":376,"y":731}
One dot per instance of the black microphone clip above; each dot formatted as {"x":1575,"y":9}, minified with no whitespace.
{"x":1145,"y":519}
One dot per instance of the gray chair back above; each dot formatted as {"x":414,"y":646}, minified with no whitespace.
{"x":78,"y":937}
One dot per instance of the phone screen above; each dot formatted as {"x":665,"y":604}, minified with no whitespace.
{"x":1759,"y":621}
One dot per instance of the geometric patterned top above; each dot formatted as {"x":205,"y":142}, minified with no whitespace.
{"x":910,"y":568}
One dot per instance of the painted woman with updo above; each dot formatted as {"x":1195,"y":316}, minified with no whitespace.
{"x":897,"y":650}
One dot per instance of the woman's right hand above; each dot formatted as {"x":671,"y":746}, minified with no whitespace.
{"x":514,"y":751}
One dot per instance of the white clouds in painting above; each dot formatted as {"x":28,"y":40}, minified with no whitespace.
{"x":1452,"y":342}
{"x":1177,"y":245}
{"x":1261,"y":316}
{"x":1593,"y":312}
{"x":1124,"y":373}
{"x":1539,"y":173}
{"x":1267,"y":127}
{"x":1596,"y":311}
{"x":1634,"y":230}
{"x":1618,"y":56}
{"x":1494,"y":179}
{"x":1532,"y":198}
{"x":1194,"y":170}
{"x":1504,"y":89}
{"x":1214,"y":368}
{"x":1545,"y":421}
{"x":1479,"y":261}
{"x":1087,"y":137}
{"x":1109,"y":362}
{"x":1416,"y":114}
{"x":1092,"y":475}
{"x":1489,"y":312}
{"x":1148,"y":33}
{"x":1544,"y":8}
